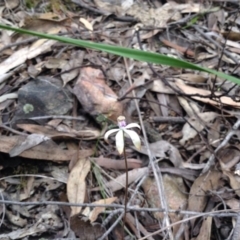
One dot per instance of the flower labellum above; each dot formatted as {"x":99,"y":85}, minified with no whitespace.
{"x":121,"y":121}
{"x":124,"y":131}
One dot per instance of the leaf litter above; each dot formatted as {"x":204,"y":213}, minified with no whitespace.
{"x":57,"y":101}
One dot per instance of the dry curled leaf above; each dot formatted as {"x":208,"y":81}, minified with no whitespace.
{"x":234,"y":181}
{"x":164,"y":150}
{"x":195,"y":125}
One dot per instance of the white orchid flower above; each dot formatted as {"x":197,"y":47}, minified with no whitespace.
{"x":123,"y":131}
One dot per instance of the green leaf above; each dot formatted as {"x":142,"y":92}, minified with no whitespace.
{"x":126,"y":52}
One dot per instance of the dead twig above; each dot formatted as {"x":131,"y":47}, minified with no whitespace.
{"x":3,"y":211}
{"x":152,"y":163}
{"x":219,"y":213}
{"x":161,"y":119}
{"x":20,"y":43}
{"x":131,"y":220}
{"x":236,"y":231}
{"x":112,"y":227}
{"x":12,"y":130}
{"x":110,"y":216}
{"x":58,"y":117}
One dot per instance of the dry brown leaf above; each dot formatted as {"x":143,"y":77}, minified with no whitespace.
{"x":222,"y":100}
{"x":28,"y":187}
{"x":234,"y":36}
{"x":60,"y":173}
{"x":106,"y":6}
{"x":61,"y":131}
{"x":190,"y":77}
{"x":52,"y":133}
{"x":198,"y":123}
{"x":31,"y":140}
{"x":190,"y":107}
{"x":85,"y":229}
{"x":206,"y":182}
{"x":19,"y":57}
{"x":88,"y":134}
{"x":8,"y":96}
{"x":159,"y":86}
{"x":132,"y":221}
{"x":76,"y":185}
{"x":95,"y":95}
{"x":17,"y":220}
{"x":157,"y":17}
{"x":216,"y":19}
{"x":234,"y":181}
{"x":233,"y":44}
{"x":53,"y":63}
{"x":73,"y":146}
{"x":93,"y":214}
{"x":228,"y":157}
{"x":44,"y":151}
{"x":194,"y":166}
{"x":12,"y":4}
{"x":152,"y":103}
{"x":163,"y":99}
{"x":51,"y":16}
{"x":191,"y":7}
{"x":183,"y":50}
{"x":205,"y":231}
{"x":120,"y":182}
{"x":54,"y":122}
{"x":86,"y":23}
{"x":116,"y":72}
{"x":117,"y":164}
{"x":214,"y":133}
{"x":174,"y":190}
{"x":141,"y":88}
{"x":233,"y":203}
{"x":38,"y":47}
{"x":75,"y":61}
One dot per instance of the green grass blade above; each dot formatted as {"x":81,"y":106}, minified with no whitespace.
{"x":126,"y":52}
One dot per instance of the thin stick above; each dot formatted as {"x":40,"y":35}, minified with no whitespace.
{"x":157,"y":174}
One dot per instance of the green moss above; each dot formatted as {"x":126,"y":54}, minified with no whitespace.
{"x":27,"y":108}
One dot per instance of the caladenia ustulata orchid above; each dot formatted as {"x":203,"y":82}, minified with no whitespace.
{"x":121,"y":132}
{"x":124,"y":131}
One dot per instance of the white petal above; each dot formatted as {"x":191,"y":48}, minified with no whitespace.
{"x":134,"y":137}
{"x":108,"y":133}
{"x":120,"y":141}
{"x":132,"y":125}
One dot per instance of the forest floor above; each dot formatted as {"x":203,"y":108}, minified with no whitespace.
{"x":60,"y":179}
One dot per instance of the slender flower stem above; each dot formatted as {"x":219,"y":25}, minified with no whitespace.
{"x":126,"y":188}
